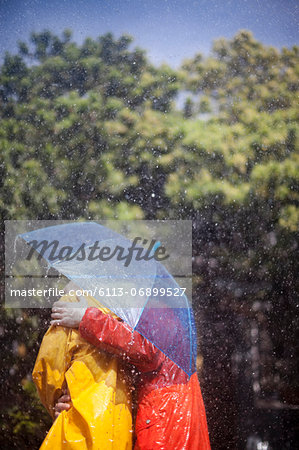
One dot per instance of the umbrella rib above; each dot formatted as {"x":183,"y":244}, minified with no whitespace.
{"x":190,"y":337}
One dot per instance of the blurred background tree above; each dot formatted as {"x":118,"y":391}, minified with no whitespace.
{"x":95,"y":131}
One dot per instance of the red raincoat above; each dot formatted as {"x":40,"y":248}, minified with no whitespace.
{"x":170,"y":413}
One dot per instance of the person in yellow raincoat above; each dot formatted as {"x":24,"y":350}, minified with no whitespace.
{"x":100,"y":417}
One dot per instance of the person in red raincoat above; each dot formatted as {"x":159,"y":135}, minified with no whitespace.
{"x":170,"y":409}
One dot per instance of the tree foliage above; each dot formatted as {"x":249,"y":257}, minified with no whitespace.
{"x":93,"y":131}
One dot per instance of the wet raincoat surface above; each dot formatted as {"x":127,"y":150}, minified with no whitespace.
{"x":170,"y":412}
{"x":100,"y":416}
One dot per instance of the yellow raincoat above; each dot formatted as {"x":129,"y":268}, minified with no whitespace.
{"x":100,"y":417}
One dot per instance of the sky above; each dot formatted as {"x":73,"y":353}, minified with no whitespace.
{"x":169,"y":30}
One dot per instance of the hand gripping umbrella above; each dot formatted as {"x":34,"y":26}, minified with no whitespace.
{"x":143,"y":293}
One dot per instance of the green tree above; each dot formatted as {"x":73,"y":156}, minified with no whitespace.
{"x":92,"y":131}
{"x":238,"y":176}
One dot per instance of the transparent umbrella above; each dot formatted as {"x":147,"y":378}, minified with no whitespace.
{"x":142,"y":293}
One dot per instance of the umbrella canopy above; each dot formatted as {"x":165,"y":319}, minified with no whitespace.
{"x":142,"y":292}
